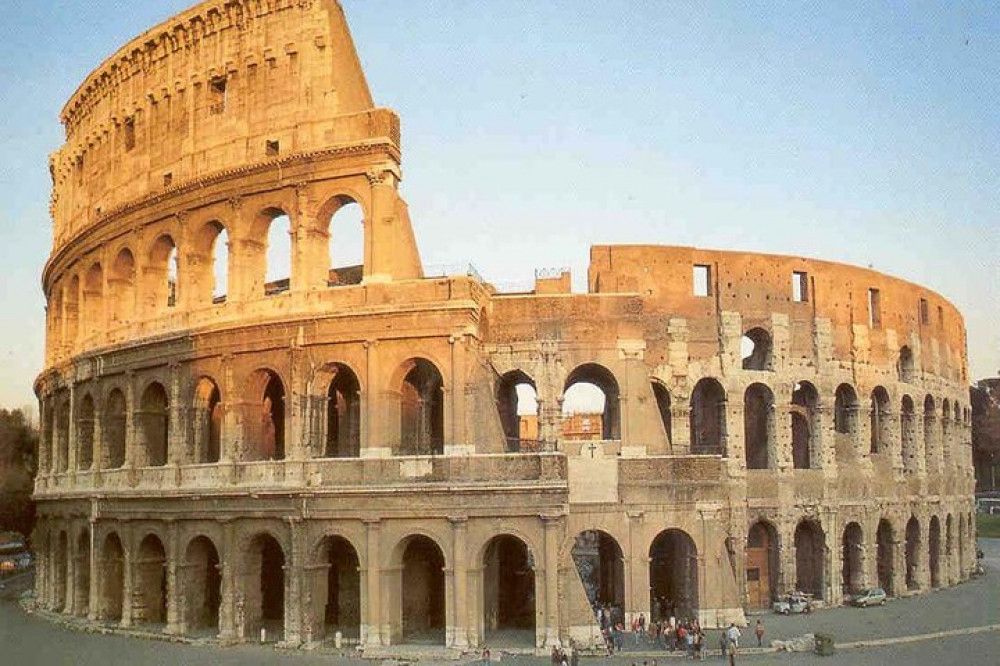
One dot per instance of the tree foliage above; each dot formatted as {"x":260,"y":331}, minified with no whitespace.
{"x":18,"y":463}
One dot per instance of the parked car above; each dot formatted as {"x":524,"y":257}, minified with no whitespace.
{"x":793,"y":602}
{"x":874,"y":596}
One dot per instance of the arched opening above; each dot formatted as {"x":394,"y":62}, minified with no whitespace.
{"x":907,"y":435}
{"x":93,"y":302}
{"x":207,"y":422}
{"x":85,"y":433}
{"x":121,"y":285}
{"x":756,"y":350}
{"x":421,"y":410}
{"x":809,"y":557}
{"x":422,"y":593}
{"x":149,"y":598}
{"x":160,"y":279}
{"x":904,"y":366}
{"x":934,"y":551}
{"x":601,"y":567}
{"x":264,"y":588}
{"x":673,"y":574}
{"x":663,"y":406}
{"x":881,"y":423}
{"x":81,"y":584}
{"x":112,"y":572}
{"x":154,"y":425}
{"x":941,"y":452}
{"x":347,"y":244}
{"x":885,"y":540}
{"x":62,"y":433}
{"x":340,"y":598}
{"x":592,"y":389}
{"x":202,"y":587}
{"x":508,"y":592}
{"x":852,"y":563}
{"x":758,"y":427}
{"x":343,"y":415}
{"x":267,"y":424}
{"x":60,"y":566}
{"x":219,"y":248}
{"x":71,"y":313}
{"x":805,"y":425}
{"x":517,"y":405}
{"x":949,"y":548}
{"x":708,"y":418}
{"x":912,"y":553}
{"x":277,"y":275}
{"x":962,"y":532}
{"x":762,"y":565}
{"x":113,"y":428}
{"x":930,"y":432}
{"x":845,"y":410}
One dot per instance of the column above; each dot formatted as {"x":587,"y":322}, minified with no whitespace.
{"x":552,"y":525}
{"x":458,"y":631}
{"x":128,"y":570}
{"x":637,"y":575}
{"x":227,"y":564}
{"x":175,"y":588}
{"x":93,"y":611}
{"x":294,"y":597}
{"x":371,"y":627}
{"x":71,"y":463}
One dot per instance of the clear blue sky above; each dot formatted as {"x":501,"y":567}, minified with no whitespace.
{"x":864,"y":132}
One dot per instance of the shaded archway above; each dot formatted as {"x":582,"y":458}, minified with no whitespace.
{"x":508,"y":592}
{"x":949,"y":550}
{"x":62,"y":421}
{"x":599,"y":377}
{"x":931,"y":433}
{"x":207,"y":422}
{"x":209,"y":272}
{"x":421,"y":410}
{"x":149,"y":597}
{"x":112,"y":582}
{"x":810,"y":554}
{"x":852,"y":562}
{"x":81,"y":581}
{"x":264,"y":588}
{"x":881,"y":424}
{"x":663,"y":406}
{"x":673,"y":573}
{"x":85,"y":418}
{"x":708,"y":418}
{"x":202,"y":587}
{"x":912,"y":553}
{"x":885,"y":540}
{"x":756,"y":349}
{"x":805,"y":426}
{"x":339,"y":601}
{"x":60,"y":570}
{"x":154,"y":425}
{"x":762,"y":564}
{"x":343,"y":415}
{"x":758,"y":427}
{"x":845,"y":421}
{"x":93,"y":302}
{"x":113,"y":429}
{"x":422,"y":592}
{"x":159,"y":282}
{"x":904,"y":366}
{"x":601,"y":567}
{"x":934,"y":551}
{"x":121,"y":286}
{"x":266,"y":418}
{"x":518,"y":419}
{"x":347,"y":242}
{"x":907,"y":435}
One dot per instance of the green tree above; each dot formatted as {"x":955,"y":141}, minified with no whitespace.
{"x":18,"y":463}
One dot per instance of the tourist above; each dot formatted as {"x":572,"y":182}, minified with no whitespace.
{"x":759,"y":631}
{"x":733,"y":634}
{"x":486,"y":657}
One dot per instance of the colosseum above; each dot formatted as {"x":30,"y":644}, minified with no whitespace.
{"x":233,"y":454}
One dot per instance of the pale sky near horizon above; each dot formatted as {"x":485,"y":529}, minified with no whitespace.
{"x":862,"y":133}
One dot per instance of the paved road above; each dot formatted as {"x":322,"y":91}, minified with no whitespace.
{"x":26,"y":639}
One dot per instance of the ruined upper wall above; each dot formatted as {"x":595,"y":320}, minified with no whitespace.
{"x":225,"y":84}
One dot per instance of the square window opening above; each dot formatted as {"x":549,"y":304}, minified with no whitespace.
{"x":800,"y":286}
{"x":702,"y":280}
{"x":874,"y":309}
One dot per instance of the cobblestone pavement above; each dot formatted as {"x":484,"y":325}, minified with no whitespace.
{"x":28,"y":639}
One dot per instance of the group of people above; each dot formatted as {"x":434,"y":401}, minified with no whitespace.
{"x":560,"y":658}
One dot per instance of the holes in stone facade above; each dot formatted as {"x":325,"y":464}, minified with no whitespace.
{"x":934,"y":551}
{"x":874,"y":309}
{"x":758,"y":427}
{"x":272,"y":148}
{"x":601,"y":567}
{"x":708,"y":418}
{"x":264,"y":587}
{"x":268,"y":436}
{"x":112,"y":583}
{"x":62,"y":421}
{"x":516,"y":397}
{"x":508,"y":587}
{"x":800,"y":287}
{"x":217,"y":95}
{"x":580,"y":396}
{"x":81,"y":582}
{"x":924,"y":312}
{"x":128,"y":133}
{"x":160,"y":276}
{"x":756,"y":349}
{"x":343,"y":415}
{"x":930,"y":431}
{"x":93,"y":301}
{"x":121,"y":284}
{"x":810,"y":551}
{"x":845,"y":410}
{"x":673,"y":572}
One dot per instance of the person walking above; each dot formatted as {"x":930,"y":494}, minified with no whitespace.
{"x":733,"y":634}
{"x":759,"y":631}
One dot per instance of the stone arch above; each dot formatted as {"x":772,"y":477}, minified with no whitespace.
{"x":93,"y":301}
{"x":604,"y":380}
{"x":852,"y":560}
{"x":149,"y":602}
{"x":945,"y":433}
{"x":912,"y":553}
{"x":708,"y":418}
{"x":343,"y":414}
{"x":601,"y":566}
{"x":207,"y":422}
{"x":810,"y":556}
{"x":202,"y":586}
{"x":510,"y":388}
{"x":757,"y":349}
{"x":71,"y":313}
{"x":904,"y":365}
{"x":673,"y":572}
{"x":154,"y":426}
{"x":263,"y":587}
{"x":931,"y":431}
{"x":336,"y":589}
{"x":81,"y":581}
{"x":758,"y":427}
{"x":278,"y":250}
{"x":421,"y":409}
{"x":419,"y":611}
{"x":805,"y":425}
{"x":61,"y":422}
{"x":845,"y":411}
{"x":266,"y":423}
{"x":85,"y":419}
{"x":934,"y":551}
{"x":112,"y":579}
{"x":113,"y":430}
{"x":907,"y":435}
{"x":881,"y":420}
{"x":664,"y":405}
{"x":121,"y":286}
{"x":55,"y":319}
{"x":210,"y":271}
{"x":346,"y":228}
{"x":159,"y":281}
{"x":508,"y":581}
{"x":763,"y":564}
{"x":885,"y":555}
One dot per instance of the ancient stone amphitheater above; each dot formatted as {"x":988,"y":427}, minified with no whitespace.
{"x":339,"y":450}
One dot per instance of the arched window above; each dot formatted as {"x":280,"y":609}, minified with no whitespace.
{"x":845,"y":410}
{"x":601,"y":567}
{"x":758,"y":427}
{"x":756,"y":349}
{"x":347,"y":244}
{"x":343,"y":415}
{"x":160,"y":279}
{"x":810,"y":551}
{"x":663,"y":406}
{"x":673,"y":572}
{"x":805,"y":425}
{"x":121,"y":284}
{"x":881,"y":415}
{"x":85,"y":433}
{"x":708,"y":418}
{"x":904,"y":366}
{"x":207,"y":422}
{"x":591,"y":389}
{"x":907,"y":432}
{"x":277,"y":276}
{"x":517,"y":405}
{"x":266,"y":436}
{"x":931,"y":432}
{"x":422,"y":410}
{"x":113,"y":430}
{"x":154,"y":426}
{"x":93,"y":301}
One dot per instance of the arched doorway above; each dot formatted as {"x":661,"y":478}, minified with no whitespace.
{"x":762,"y":565}
{"x":264,"y":588}
{"x":673,"y":575}
{"x":343,"y":415}
{"x":805,"y":425}
{"x":421,"y":426}
{"x":154,"y":424}
{"x":60,"y":565}
{"x":149,"y":602}
{"x":517,"y":406}
{"x":586,"y":383}
{"x":852,"y":562}
{"x":422,"y":592}
{"x":81,"y":583}
{"x":339,"y":600}
{"x":113,"y":429}
{"x":756,"y":349}
{"x":885,"y":557}
{"x":85,"y":418}
{"x":601,"y":567}
{"x":347,"y":242}
{"x":934,"y":552}
{"x":880,"y":424}
{"x":758,"y":426}
{"x":112,"y":572}
{"x":203,"y":587}
{"x":912,"y":553}
{"x":508,"y":592}
{"x":708,"y":418}
{"x":266,"y":420}
{"x":907,"y":435}
{"x":207,"y":422}
{"x":810,"y":551}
